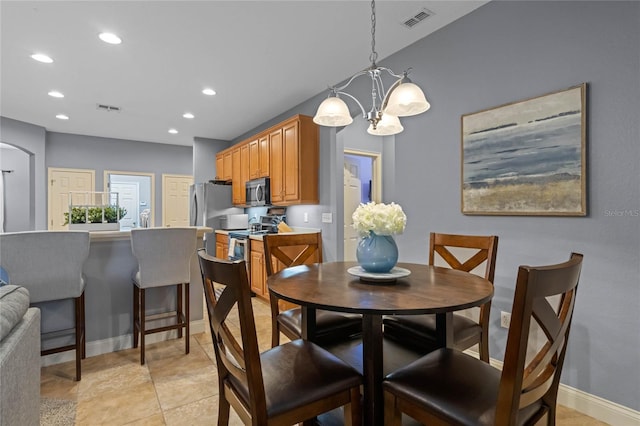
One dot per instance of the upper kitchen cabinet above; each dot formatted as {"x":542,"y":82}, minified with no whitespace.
{"x":224,"y":164}
{"x":236,"y":177}
{"x":219,"y":166}
{"x":294,"y":158}
{"x":288,"y":153}
{"x":244,"y":170}
{"x":259,"y":157}
{"x":264,"y":156}
{"x":228,"y":166}
{"x":254,"y":159}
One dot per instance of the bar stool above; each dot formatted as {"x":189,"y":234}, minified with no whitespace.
{"x":49,"y":265}
{"x":164,"y":256}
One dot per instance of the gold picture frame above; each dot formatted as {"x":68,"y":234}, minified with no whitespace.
{"x":527,"y":157}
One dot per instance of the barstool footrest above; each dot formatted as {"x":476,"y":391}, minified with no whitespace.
{"x":165,"y":328}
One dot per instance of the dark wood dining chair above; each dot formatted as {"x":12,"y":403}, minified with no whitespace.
{"x":449,"y":387}
{"x":284,"y":385}
{"x":293,"y":250}
{"x":419,"y":331}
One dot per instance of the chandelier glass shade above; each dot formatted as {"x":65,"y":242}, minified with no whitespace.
{"x":333,"y":112}
{"x":388,"y":125}
{"x":404,"y":98}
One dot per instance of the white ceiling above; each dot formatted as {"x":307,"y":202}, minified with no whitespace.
{"x":262,"y":58}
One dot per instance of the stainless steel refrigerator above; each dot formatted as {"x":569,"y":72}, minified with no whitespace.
{"x":208,"y":202}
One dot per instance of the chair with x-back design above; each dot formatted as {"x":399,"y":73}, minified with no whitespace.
{"x":291,"y":383}
{"x":419,"y":331}
{"x":293,"y":250}
{"x":449,"y":387}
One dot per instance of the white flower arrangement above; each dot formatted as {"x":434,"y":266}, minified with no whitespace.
{"x":380,"y":218}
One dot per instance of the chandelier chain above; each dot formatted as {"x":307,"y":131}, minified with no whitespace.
{"x":374,"y":55}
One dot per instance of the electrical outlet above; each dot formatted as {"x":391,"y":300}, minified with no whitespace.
{"x":505,"y":319}
{"x":306,"y":217}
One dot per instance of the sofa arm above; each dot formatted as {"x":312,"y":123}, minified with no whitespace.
{"x":20,"y":372}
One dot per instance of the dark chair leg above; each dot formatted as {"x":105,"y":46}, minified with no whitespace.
{"x":142,"y":325}
{"x":186,"y":317}
{"x":78,"y":301}
{"x":223,"y":411}
{"x":83,"y":325}
{"x":136,"y":314}
{"x":179,"y":316}
{"x":484,"y":347}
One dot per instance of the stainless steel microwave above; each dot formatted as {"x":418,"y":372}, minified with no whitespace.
{"x":258,"y":192}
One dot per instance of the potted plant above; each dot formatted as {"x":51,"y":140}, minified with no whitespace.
{"x":95,"y":218}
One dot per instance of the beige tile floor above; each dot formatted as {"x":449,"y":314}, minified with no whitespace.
{"x":171,"y":389}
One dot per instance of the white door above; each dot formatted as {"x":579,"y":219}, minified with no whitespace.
{"x":129,"y":198}
{"x":352,"y":191}
{"x":175,"y":200}
{"x":61,"y":182}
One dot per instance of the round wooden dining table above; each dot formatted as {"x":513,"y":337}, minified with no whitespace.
{"x":426,"y":290}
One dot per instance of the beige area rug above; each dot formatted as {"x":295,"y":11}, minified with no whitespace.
{"x":57,"y":412}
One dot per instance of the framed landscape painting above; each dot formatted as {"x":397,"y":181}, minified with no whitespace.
{"x":527,"y":157}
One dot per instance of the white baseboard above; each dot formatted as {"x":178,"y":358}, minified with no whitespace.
{"x":596,"y":407}
{"x":113,"y":344}
{"x":591,"y":405}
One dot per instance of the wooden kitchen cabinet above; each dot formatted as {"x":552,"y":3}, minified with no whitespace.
{"x":254,"y":159}
{"x":288,"y":153}
{"x":244,"y":171}
{"x":238,"y":190}
{"x":294,"y":158}
{"x":258,"y":270}
{"x":222,"y":246}
{"x":227,"y":166}
{"x":224,"y":165}
{"x":276,"y":150}
{"x":259,"y":157}
{"x":264,"y":157}
{"x":219,"y":166}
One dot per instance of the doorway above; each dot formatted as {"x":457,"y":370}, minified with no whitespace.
{"x":60,"y":183}
{"x":362,"y":184}
{"x":175,"y":199}
{"x":129,"y":199}
{"x":136,"y":192}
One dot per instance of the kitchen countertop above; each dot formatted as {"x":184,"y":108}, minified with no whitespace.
{"x":296,"y":230}
{"x":99,"y":236}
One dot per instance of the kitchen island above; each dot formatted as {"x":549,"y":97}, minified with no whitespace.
{"x":109,"y":297}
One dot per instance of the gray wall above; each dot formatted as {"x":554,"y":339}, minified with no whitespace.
{"x":500,"y":53}
{"x":504,"y":52}
{"x":30,"y":139}
{"x":204,"y":158}
{"x":100,"y":154}
{"x":16,"y":184}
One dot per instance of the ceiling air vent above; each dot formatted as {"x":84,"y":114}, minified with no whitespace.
{"x":418,"y":17}
{"x":108,"y":108}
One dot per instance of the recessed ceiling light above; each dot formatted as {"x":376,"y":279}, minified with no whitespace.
{"x":188,"y":115}
{"x":110,"y":38}
{"x":42,"y":58}
{"x":56,"y":94}
{"x":173,"y":131}
{"x":62,"y":117}
{"x":209,"y":92}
